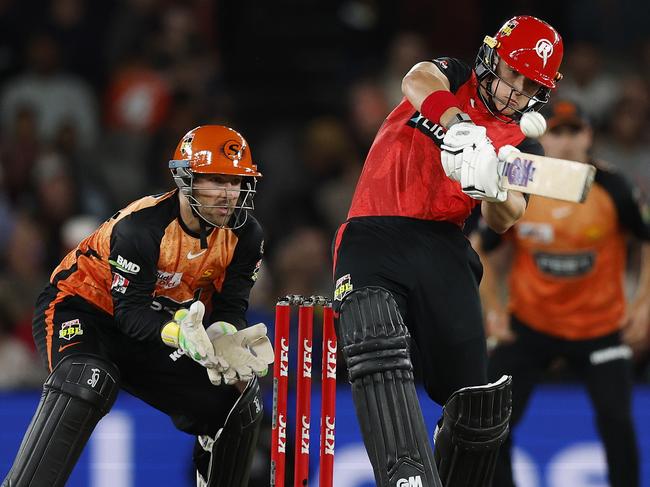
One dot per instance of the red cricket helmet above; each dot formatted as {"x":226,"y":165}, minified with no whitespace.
{"x":528,"y":45}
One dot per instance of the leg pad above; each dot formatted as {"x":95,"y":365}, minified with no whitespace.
{"x":77,"y":394}
{"x":231,"y":453}
{"x":474,"y":425}
{"x":375,"y":344}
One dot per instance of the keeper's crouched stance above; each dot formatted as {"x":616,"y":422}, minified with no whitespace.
{"x":375,"y":343}
{"x":125,"y":310}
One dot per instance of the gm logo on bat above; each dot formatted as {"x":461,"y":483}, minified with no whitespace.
{"x":520,"y":171}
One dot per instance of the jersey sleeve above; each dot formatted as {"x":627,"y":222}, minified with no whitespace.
{"x":135,"y":249}
{"x":627,"y":202}
{"x":230,"y":304}
{"x":456,"y":71}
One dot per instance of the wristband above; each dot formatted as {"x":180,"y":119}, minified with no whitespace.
{"x":438,"y":103}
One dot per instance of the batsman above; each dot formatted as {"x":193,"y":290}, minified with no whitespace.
{"x":127,"y":310}
{"x":406,"y":277}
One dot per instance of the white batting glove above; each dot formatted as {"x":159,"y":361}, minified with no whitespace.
{"x":460,"y":140}
{"x":186,"y":332}
{"x":481,"y":174}
{"x":505,"y":151}
{"x":248,"y":351}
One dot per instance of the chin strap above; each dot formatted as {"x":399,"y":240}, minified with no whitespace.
{"x":203,"y":228}
{"x":203,"y":236}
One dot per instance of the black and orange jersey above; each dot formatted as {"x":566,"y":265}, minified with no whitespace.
{"x":143,"y":264}
{"x":567,"y":276}
{"x":403,"y":173}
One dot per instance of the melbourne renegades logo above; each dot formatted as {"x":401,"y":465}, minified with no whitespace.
{"x":544,"y":49}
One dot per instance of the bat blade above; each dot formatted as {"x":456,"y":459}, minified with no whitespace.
{"x":547,"y":176}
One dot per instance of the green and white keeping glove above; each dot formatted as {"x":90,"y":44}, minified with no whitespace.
{"x":186,"y":332}
{"x":248,"y":352}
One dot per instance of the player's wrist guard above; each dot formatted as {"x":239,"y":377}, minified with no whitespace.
{"x":458,"y":118}
{"x":438,"y":103}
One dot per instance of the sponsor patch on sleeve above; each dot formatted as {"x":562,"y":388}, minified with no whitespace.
{"x":120,"y":283}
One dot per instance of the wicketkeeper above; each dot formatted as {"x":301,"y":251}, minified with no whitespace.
{"x":126,"y":310}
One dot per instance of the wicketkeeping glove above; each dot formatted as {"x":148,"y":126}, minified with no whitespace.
{"x":248,"y":351}
{"x":186,"y":332}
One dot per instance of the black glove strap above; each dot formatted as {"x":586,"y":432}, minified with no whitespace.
{"x":458,"y":118}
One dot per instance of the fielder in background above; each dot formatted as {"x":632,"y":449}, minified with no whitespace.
{"x":567,"y":298}
{"x":406,"y":278}
{"x":138,"y":286}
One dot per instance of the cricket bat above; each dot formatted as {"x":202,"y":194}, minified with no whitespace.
{"x":547,"y":176}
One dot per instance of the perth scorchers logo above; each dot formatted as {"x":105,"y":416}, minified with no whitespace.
{"x":233,"y":149}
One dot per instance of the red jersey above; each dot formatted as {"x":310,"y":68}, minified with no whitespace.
{"x":403,"y":174}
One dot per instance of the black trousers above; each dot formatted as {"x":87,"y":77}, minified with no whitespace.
{"x":433,"y":273}
{"x":159,"y":375}
{"x":602,"y":364}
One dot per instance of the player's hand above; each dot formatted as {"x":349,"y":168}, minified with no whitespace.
{"x":636,"y":324}
{"x":459,"y":142}
{"x":186,"y":332}
{"x":505,"y":151}
{"x":480,"y":174}
{"x":248,"y":352}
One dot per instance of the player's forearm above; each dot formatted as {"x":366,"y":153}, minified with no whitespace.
{"x":420,"y":82}
{"x":501,"y":216}
{"x":140,"y":322}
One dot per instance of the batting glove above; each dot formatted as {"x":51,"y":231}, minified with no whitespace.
{"x":481,"y":174}
{"x":460,"y":142}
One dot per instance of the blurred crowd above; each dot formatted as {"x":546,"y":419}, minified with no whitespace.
{"x":96,"y":95}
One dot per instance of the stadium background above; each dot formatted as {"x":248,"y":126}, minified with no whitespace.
{"x":94,"y":96}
